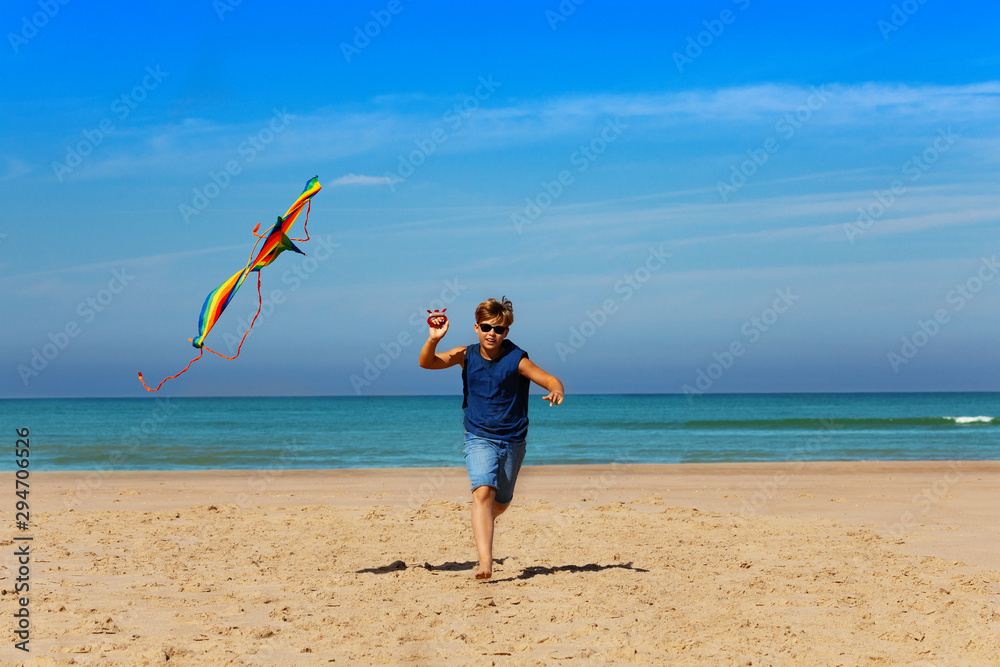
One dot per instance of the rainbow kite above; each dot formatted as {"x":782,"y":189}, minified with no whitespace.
{"x":275,"y":242}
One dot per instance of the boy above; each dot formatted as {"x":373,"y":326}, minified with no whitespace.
{"x":495,"y":378}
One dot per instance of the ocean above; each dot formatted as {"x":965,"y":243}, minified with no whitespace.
{"x":413,"y":431}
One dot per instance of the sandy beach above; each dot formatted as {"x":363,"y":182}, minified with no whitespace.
{"x":748,"y":564}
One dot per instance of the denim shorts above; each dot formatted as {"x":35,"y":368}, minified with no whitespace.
{"x":493,"y":463}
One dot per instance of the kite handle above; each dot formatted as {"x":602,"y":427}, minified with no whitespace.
{"x":200,"y":352}
{"x":437,"y":315}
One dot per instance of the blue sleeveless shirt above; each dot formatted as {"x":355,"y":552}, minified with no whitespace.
{"x":496,"y":395}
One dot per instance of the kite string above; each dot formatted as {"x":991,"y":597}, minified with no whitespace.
{"x":254,"y":249}
{"x":305,"y":223}
{"x":259,"y":303}
{"x":200,"y":352}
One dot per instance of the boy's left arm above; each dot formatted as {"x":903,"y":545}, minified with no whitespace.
{"x":528,"y":369}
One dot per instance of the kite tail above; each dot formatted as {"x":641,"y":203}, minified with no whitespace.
{"x":200,"y":352}
{"x":305,"y":223}
{"x":259,"y":303}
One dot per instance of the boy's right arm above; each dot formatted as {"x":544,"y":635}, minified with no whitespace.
{"x":429,"y":358}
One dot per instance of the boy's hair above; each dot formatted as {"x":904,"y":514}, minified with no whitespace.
{"x":491,"y":309}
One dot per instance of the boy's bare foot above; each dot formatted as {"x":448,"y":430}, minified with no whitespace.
{"x":485,"y":572}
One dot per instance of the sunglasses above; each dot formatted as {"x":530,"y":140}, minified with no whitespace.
{"x":486,"y":328}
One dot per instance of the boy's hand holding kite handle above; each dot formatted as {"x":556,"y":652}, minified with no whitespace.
{"x":436,"y":330}
{"x":437,"y":318}
{"x":429,"y":357}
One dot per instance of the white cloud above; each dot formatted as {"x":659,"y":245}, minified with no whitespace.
{"x":359,"y":179}
{"x":146,"y":260}
{"x":390,"y":125}
{"x":15,"y":168}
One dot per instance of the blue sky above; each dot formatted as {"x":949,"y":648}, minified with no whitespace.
{"x":719,"y":197}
